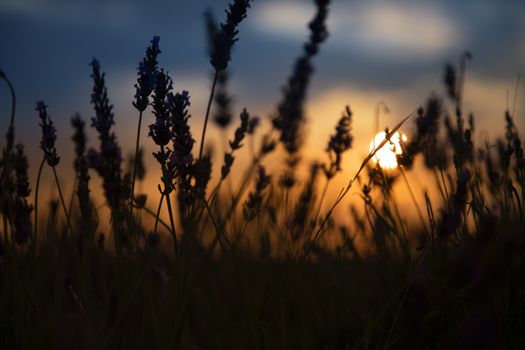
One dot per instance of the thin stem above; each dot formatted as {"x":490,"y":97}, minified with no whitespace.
{"x":135,"y":164}
{"x":157,"y":216}
{"x":244,"y":182}
{"x":208,"y":113}
{"x":218,"y":230}
{"x":444,"y":184}
{"x":225,"y":144}
{"x":168,"y":202}
{"x":323,"y":195}
{"x":440,"y":188}
{"x":240,"y":191}
{"x":11,"y":129}
{"x":62,"y":200}
{"x":235,"y":200}
{"x":40,"y":168}
{"x":414,"y":200}
{"x":72,"y":199}
{"x":172,"y":224}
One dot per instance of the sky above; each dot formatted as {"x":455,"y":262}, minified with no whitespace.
{"x":388,"y":51}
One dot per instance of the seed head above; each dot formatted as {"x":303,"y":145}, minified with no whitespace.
{"x":223,"y":115}
{"x":290,"y":111}
{"x":227,"y":35}
{"x":22,"y":221}
{"x":47,"y":143}
{"x":79,"y":137}
{"x":339,"y":143}
{"x":236,"y":143}
{"x":160,"y":130}
{"x":253,"y":205}
{"x":146,"y":80}
{"x":107,"y":160}
{"x":21,"y":172}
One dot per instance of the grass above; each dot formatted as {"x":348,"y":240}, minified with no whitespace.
{"x":265,"y":265}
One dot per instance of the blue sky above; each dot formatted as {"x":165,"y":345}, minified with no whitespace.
{"x":391,"y":51}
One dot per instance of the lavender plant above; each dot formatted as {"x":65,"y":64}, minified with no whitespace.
{"x":253,"y":205}
{"x":289,"y":119}
{"x":79,"y":138}
{"x":47,"y":144}
{"x":220,"y":56}
{"x":22,"y":209}
{"x":146,"y":82}
{"x":162,"y":131}
{"x":223,"y":114}
{"x":338,"y":144}
{"x":236,"y":143}
{"x":107,"y":160}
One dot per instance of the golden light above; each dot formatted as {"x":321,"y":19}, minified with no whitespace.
{"x":386,"y":156}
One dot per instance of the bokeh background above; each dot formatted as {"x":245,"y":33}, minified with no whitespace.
{"x":390,"y":51}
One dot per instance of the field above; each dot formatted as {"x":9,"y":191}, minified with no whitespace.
{"x":256,"y":258}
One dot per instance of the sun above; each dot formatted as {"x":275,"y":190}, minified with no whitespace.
{"x":387,"y":155}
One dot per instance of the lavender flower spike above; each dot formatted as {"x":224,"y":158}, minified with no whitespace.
{"x":339,"y":143}
{"x":47,"y":143}
{"x":147,"y":76}
{"x":108,"y":159}
{"x":226,"y":36}
{"x":79,"y":138}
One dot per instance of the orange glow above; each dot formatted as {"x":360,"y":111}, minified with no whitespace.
{"x":386,"y":156}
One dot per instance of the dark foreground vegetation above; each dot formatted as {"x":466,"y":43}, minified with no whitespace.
{"x":264,"y":265}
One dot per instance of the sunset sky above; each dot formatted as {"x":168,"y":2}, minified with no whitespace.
{"x":377,"y":51}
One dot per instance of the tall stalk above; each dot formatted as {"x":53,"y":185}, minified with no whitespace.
{"x":11,"y":130}
{"x":168,"y":202}
{"x":157,"y":216}
{"x":418,"y":209}
{"x":70,"y":227}
{"x":135,"y":165}
{"x":10,"y":141}
{"x":35,"y":230}
{"x":321,"y":200}
{"x":208,"y":109}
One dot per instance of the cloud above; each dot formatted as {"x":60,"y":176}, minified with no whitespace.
{"x":286,"y":18}
{"x":404,"y":29}
{"x":401,"y":30}
{"x":112,"y":15}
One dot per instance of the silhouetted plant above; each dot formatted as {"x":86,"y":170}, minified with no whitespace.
{"x":281,"y":260}
{"x":88,"y":221}
{"x":220,"y":49}
{"x":108,"y":159}
{"x":47,"y":144}
{"x":253,"y":205}
{"x":236,"y":143}
{"x":146,"y":81}
{"x":425,"y":139}
{"x":223,"y":114}
{"x":339,"y":143}
{"x":289,"y":119}
{"x":22,"y":209}
{"x":162,"y":131}
{"x":79,"y":138}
